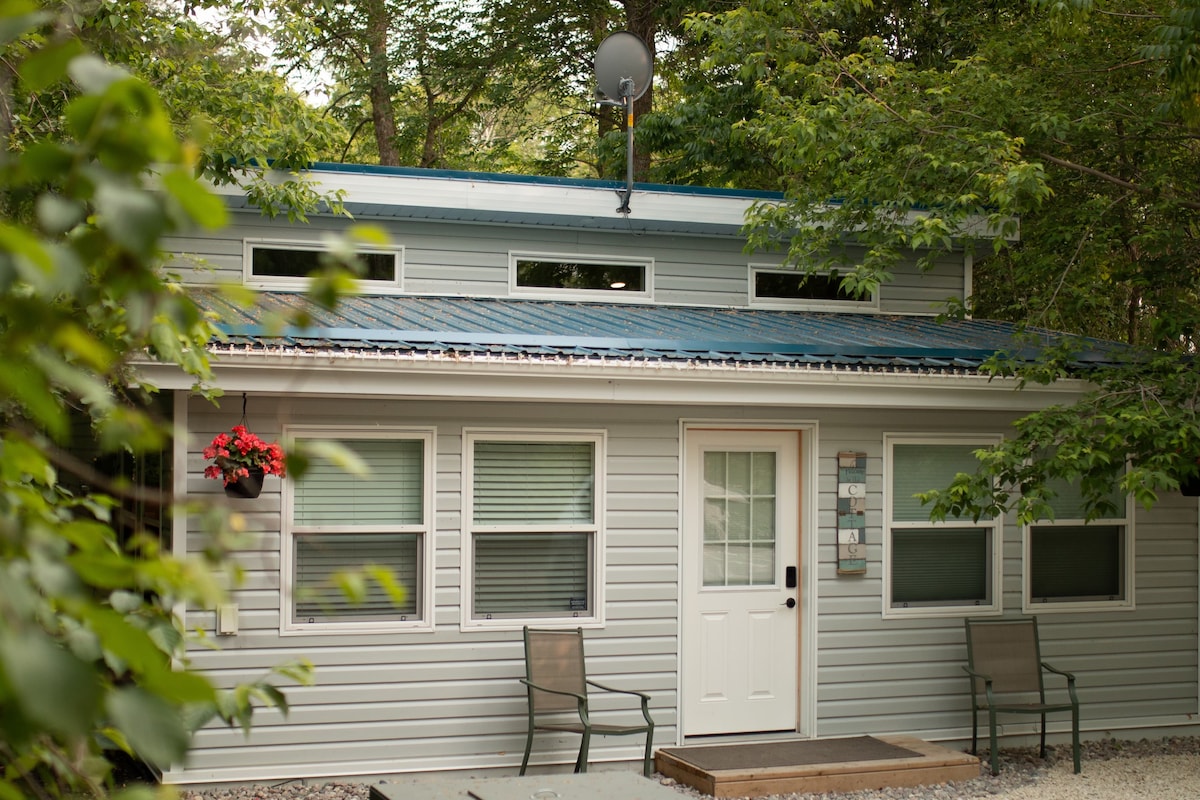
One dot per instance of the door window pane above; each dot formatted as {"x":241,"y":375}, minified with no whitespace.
{"x":739,"y":518}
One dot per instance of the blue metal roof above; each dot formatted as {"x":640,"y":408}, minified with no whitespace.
{"x":540,"y":328}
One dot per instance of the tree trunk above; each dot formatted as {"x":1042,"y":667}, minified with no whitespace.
{"x":380,"y":87}
{"x":641,"y":19}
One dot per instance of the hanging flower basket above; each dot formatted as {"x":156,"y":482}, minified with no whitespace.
{"x":241,"y":459}
{"x":248,"y":486}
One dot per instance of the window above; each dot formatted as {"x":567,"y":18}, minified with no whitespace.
{"x":792,"y":287}
{"x":934,"y":568}
{"x":534,"y":502}
{"x":583,"y":276}
{"x":290,"y":264}
{"x":1072,"y":564}
{"x":339,"y":522}
{"x":739,"y":518}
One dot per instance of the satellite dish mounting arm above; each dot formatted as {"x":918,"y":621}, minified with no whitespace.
{"x":624,"y":70}
{"x":626,"y":102}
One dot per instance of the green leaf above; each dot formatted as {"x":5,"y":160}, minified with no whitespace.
{"x":201,"y":205}
{"x":51,"y":685}
{"x":153,"y":728}
{"x":49,"y":64}
{"x":57,"y":214}
{"x":18,"y":18}
{"x":133,"y":217}
{"x":93,"y":74}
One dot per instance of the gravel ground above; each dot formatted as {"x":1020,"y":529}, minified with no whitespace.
{"x":1160,"y":769}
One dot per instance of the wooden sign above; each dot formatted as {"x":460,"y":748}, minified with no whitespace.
{"x":852,"y":513}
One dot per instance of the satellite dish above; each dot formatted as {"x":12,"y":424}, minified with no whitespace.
{"x":621,"y":57}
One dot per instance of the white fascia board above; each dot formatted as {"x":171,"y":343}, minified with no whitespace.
{"x":471,"y":195}
{"x":635,"y":383}
{"x":449,"y":194}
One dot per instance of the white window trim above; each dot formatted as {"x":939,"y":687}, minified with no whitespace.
{"x":590,"y":295}
{"x":1067,"y":607}
{"x":598,"y":438}
{"x":300,"y":284}
{"x":996,"y":607}
{"x":810,"y":305}
{"x":426,"y":528}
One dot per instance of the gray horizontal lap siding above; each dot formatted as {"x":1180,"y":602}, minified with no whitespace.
{"x":1135,"y":667}
{"x":450,"y":699}
{"x":463,"y":259}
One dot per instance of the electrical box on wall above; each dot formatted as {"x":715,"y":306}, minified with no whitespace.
{"x":227,"y":619}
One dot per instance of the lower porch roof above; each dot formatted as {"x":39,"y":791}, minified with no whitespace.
{"x":521,"y":329}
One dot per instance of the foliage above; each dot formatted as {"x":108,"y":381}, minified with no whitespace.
{"x":442,"y":85}
{"x":926,"y":126}
{"x":219,"y":91}
{"x":1137,"y":430}
{"x":91,"y":656}
{"x":235,"y":453}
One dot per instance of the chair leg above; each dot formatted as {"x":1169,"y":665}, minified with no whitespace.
{"x":974,"y":728}
{"x":647,"y":769}
{"x":528,"y":747}
{"x":995,"y":752}
{"x":581,"y":761}
{"x":1042,"y":751}
{"x":1075,"y":737}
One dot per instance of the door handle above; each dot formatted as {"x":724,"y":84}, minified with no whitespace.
{"x":790,"y":602}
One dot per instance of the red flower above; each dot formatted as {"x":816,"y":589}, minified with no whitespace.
{"x":233,"y":456}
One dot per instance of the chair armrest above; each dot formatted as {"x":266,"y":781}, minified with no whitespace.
{"x":645,"y":698}
{"x":1070,"y":676}
{"x":602,"y":687}
{"x":987,"y":686}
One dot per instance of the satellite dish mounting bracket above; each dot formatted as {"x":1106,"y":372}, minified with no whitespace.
{"x":624,"y":69}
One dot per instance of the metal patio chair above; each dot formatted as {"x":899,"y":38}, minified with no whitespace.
{"x":557,"y":683}
{"x":1004,"y":662}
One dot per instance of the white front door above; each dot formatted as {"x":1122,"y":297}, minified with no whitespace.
{"x":740,"y":566}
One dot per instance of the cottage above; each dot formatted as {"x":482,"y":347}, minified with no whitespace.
{"x":626,"y":423}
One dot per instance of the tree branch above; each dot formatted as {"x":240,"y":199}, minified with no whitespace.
{"x":1113,"y":179}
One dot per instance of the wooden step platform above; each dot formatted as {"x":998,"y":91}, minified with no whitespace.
{"x":810,"y":766}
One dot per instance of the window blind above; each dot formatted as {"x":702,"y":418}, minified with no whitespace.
{"x":533,"y":483}
{"x":940,"y":565}
{"x":921,"y":467}
{"x":1075,"y":562}
{"x":392,"y":494}
{"x":544,"y":574}
{"x":318,"y":557}
{"x":1068,"y":500}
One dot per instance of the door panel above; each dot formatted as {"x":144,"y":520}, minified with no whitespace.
{"x":741,"y":533}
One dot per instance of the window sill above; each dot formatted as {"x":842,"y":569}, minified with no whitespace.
{"x":942,"y":612}
{"x":356,"y":629}
{"x":1077,"y":608}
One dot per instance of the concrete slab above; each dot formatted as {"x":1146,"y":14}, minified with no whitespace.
{"x":586,"y":786}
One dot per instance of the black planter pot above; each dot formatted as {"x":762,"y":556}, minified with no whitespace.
{"x":248,"y":486}
{"x":1190,"y":486}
